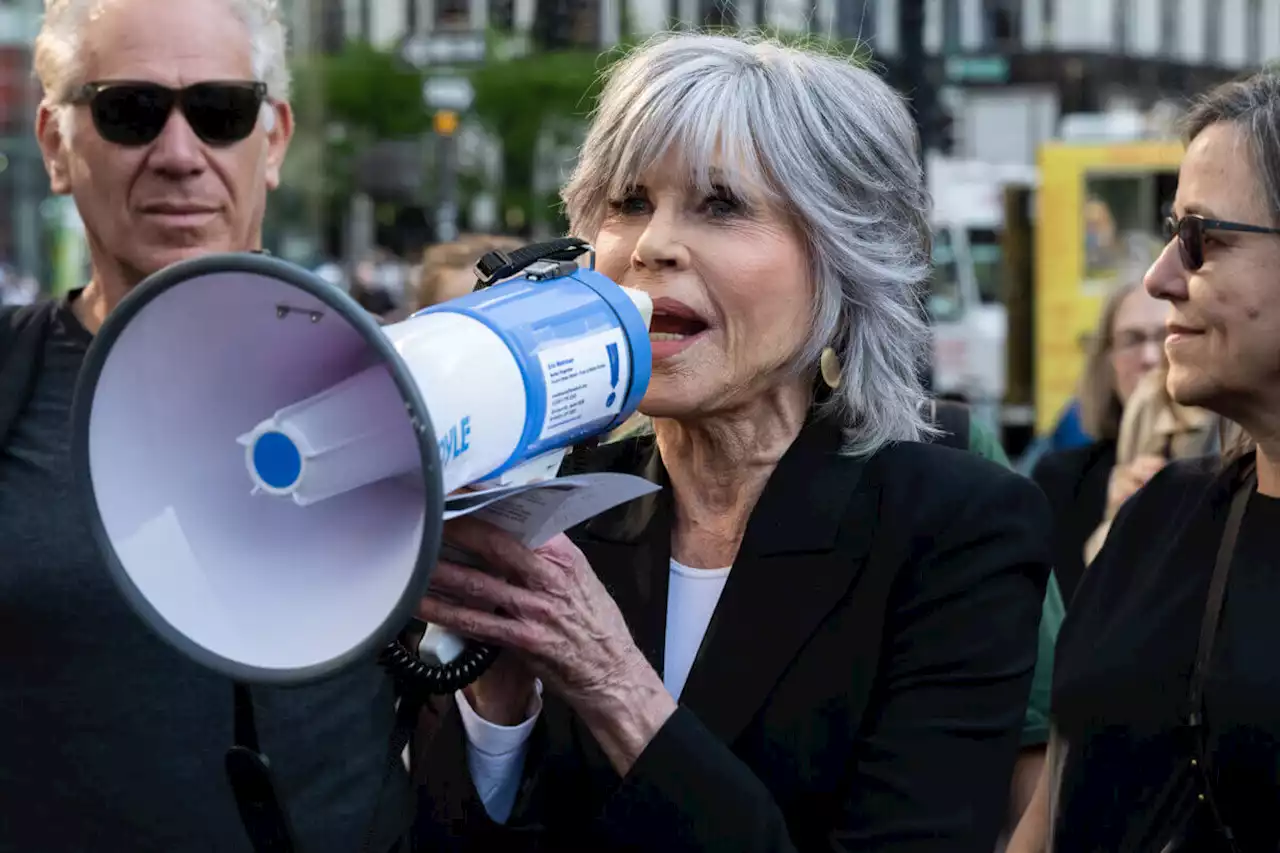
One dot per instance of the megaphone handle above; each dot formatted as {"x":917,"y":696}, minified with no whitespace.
{"x":437,"y":639}
{"x":416,"y":676}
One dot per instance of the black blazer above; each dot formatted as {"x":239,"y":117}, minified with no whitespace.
{"x":861,"y":686}
{"x":1075,"y":481}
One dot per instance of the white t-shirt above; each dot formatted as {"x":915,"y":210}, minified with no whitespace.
{"x":495,"y":754}
{"x":691,"y":600}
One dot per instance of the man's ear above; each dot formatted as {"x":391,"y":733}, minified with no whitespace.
{"x":53,"y":148}
{"x":279,"y":133}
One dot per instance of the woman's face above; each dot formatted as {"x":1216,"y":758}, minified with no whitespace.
{"x":729,"y":279}
{"x":1224,"y":341}
{"x":1137,"y":334}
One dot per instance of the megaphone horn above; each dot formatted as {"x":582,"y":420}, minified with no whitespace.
{"x":265,"y":466}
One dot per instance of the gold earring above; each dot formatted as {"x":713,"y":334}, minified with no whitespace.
{"x":829,"y":366}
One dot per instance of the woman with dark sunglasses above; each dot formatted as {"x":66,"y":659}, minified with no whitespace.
{"x":1166,"y":701}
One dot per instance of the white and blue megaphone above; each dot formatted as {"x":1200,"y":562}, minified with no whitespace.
{"x":265,"y":466}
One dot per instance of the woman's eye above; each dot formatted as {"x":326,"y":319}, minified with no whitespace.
{"x":630,"y":205}
{"x":723,"y":204}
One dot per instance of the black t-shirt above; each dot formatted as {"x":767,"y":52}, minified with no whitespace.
{"x":110,"y":739}
{"x":1123,"y":667}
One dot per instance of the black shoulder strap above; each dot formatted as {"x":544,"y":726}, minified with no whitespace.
{"x":953,"y":419}
{"x":22,"y":335}
{"x":1217,"y":593}
{"x":249,"y":773}
{"x":1205,"y":644}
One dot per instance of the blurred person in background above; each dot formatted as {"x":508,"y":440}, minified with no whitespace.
{"x":448,"y":269}
{"x":820,"y":634}
{"x":1154,"y":431}
{"x":167,"y":122}
{"x":380,"y":286}
{"x":1166,"y":705}
{"x":1125,"y":347}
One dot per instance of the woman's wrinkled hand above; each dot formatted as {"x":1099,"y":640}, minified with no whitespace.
{"x":546,"y":605}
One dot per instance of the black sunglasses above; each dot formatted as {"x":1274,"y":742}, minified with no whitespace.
{"x":133,"y":113}
{"x":1190,"y":233}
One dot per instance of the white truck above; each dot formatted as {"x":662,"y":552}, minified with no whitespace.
{"x":970,"y":323}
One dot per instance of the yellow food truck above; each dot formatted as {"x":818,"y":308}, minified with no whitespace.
{"x":1094,"y":220}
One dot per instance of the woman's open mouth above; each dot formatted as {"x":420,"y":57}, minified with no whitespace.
{"x":673,"y":329}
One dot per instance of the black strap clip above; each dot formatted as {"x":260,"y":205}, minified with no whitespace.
{"x":552,"y":259}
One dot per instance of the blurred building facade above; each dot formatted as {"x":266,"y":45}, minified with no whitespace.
{"x":1008,"y":71}
{"x":30,"y":225}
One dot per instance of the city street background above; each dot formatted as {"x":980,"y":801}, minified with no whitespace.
{"x":1048,"y":125}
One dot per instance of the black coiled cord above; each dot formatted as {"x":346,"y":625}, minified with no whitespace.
{"x":415,"y":676}
{"x":416,"y":681}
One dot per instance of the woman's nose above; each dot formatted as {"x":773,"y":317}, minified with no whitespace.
{"x":660,"y":245}
{"x":1167,"y":277}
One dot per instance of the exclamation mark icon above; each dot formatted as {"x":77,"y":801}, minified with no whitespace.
{"x":612,"y":349}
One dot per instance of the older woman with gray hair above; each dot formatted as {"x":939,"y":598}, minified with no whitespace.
{"x":820,"y":634}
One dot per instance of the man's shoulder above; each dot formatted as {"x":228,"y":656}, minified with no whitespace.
{"x":22,"y":335}
{"x":16,"y":318}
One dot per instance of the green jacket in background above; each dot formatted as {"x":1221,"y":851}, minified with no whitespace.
{"x":1035,"y":729}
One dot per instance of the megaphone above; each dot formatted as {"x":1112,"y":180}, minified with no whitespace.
{"x":265,"y":466}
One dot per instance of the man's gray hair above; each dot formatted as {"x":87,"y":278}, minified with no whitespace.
{"x":836,"y":148}
{"x":57,"y":47}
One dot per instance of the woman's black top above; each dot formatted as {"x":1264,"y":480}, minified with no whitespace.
{"x":1130,"y":781}
{"x":1075,"y":482}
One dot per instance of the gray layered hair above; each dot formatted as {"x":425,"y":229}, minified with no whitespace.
{"x":834,"y":147}
{"x":1252,"y":105}
{"x":58,"y":47}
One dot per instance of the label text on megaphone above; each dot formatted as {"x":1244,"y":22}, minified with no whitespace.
{"x":456,"y":440}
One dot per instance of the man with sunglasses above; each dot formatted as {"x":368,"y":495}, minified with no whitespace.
{"x":167,"y":121}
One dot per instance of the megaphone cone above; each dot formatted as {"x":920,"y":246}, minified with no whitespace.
{"x":264,"y":466}
{"x":266,"y":591}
